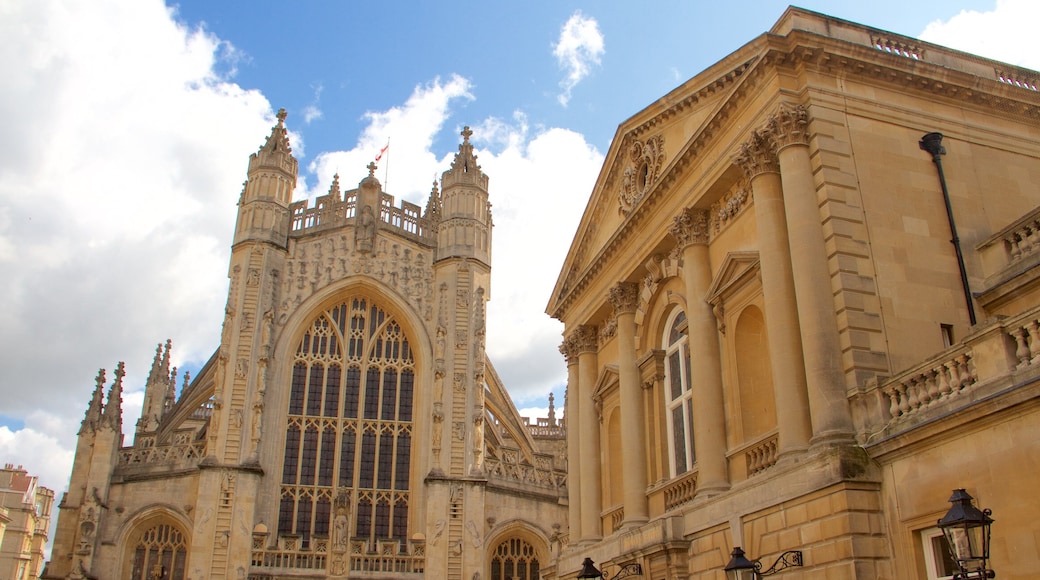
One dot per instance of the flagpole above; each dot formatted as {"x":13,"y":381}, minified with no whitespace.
{"x":386,"y":168}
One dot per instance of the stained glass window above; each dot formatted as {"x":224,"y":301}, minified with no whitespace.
{"x":349,"y":426}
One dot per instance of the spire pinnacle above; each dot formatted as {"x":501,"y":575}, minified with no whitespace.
{"x":112,"y":415}
{"x":279,"y":139}
{"x":93,"y":414}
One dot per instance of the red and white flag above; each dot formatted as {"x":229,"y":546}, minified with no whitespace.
{"x":383,"y":150}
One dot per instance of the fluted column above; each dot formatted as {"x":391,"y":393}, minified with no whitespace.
{"x":757,"y":159}
{"x":571,"y":404}
{"x":624,"y":297}
{"x":588,"y":423}
{"x":831,"y":417}
{"x":690,"y":229}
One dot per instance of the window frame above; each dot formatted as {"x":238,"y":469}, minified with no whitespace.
{"x":675,"y":342}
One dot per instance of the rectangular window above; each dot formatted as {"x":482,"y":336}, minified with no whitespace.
{"x":372,"y":394}
{"x":679,"y":439}
{"x":675,"y":375}
{"x":389,"y":395}
{"x":938,"y":561}
{"x":299,"y":380}
{"x":332,"y":392}
{"x":366,"y":473}
{"x":947,"y":334}
{"x":314,"y":390}
{"x":346,"y":459}
{"x":352,"y":393}
{"x":292,"y":455}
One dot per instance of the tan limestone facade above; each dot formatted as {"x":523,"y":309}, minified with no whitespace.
{"x":766,"y":329}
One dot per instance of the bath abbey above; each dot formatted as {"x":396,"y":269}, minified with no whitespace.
{"x":801,"y":308}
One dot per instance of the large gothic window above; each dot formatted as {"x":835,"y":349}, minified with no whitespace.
{"x":677,"y":393}
{"x":514,"y":559}
{"x":348,"y":435}
{"x":160,"y":554}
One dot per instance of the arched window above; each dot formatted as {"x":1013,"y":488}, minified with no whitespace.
{"x":349,"y":429}
{"x":160,"y":554}
{"x":514,"y":559}
{"x":677,"y":393}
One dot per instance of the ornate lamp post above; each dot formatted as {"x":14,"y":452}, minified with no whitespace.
{"x":589,"y":570}
{"x":740,"y":568}
{"x":967,"y":531}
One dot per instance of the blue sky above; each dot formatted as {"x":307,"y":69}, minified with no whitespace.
{"x":129,"y":124}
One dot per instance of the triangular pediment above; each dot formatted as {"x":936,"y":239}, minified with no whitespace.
{"x":737,"y":270}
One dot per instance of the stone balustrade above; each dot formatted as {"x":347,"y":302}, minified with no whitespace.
{"x":616,"y":517}
{"x":762,"y":456}
{"x":926,"y":386}
{"x":680,"y":490}
{"x":985,"y":362}
{"x":188,"y":454}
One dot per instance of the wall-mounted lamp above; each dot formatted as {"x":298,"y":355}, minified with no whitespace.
{"x":740,"y":568}
{"x":589,"y":570}
{"x":967,"y":529}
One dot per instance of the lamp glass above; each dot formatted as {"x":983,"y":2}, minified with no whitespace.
{"x":967,"y":530}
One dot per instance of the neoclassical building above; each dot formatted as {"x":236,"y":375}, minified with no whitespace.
{"x":348,"y":425}
{"x":771,"y":341}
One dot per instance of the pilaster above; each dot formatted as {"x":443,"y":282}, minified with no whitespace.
{"x":588,"y":423}
{"x":757,"y":159}
{"x":571,"y":404}
{"x":690,"y":229}
{"x":624,"y":297}
{"x":831,"y":417}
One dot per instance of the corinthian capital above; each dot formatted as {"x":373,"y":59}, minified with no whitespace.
{"x":624,"y":297}
{"x":789,"y":126}
{"x":757,"y":155}
{"x":584,"y":339}
{"x":690,"y":227}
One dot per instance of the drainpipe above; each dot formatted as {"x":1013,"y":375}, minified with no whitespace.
{"x":932,"y":143}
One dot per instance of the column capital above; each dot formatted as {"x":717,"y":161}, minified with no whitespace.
{"x":789,"y":126}
{"x":757,"y":155}
{"x":690,"y":227}
{"x":569,"y":350}
{"x":624,"y":297}
{"x":584,"y":339}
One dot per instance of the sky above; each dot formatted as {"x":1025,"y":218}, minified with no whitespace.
{"x":129,"y":125}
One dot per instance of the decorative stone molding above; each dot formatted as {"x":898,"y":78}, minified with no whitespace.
{"x":646,"y":160}
{"x":789,"y":126}
{"x":624,"y":297}
{"x":757,"y":155}
{"x":730,"y":205}
{"x":690,"y":227}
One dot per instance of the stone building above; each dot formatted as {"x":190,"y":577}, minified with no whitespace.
{"x":25,"y":521}
{"x":770,"y":340}
{"x":349,"y":424}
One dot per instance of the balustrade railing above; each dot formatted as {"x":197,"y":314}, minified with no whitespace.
{"x":680,"y":490}
{"x":616,"y":517}
{"x":926,"y":386}
{"x":762,"y":456}
{"x":162,"y":454}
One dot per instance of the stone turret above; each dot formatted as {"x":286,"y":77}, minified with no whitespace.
{"x":263,"y":212}
{"x":465,"y":227}
{"x":159,"y":387}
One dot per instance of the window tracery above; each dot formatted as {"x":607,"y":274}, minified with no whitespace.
{"x":349,"y":425}
{"x":514,"y":559}
{"x":160,"y":554}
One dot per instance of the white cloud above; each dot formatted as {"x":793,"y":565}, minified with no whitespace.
{"x":579,"y":48}
{"x":539,"y":188}
{"x":408,"y":166}
{"x":124,"y":156}
{"x":1005,"y":33}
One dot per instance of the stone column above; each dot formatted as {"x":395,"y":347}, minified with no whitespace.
{"x":757,"y":159}
{"x":571,"y":404}
{"x":588,"y":423}
{"x":831,"y":417}
{"x":690,"y":230}
{"x":624,"y":297}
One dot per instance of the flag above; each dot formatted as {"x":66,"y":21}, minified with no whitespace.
{"x":383,"y":150}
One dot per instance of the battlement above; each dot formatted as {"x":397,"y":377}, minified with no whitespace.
{"x":330,"y":212}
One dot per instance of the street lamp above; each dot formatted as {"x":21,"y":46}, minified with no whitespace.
{"x":967,"y":532}
{"x":740,"y":568}
{"x":589,"y":570}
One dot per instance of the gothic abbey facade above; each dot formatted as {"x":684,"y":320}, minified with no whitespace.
{"x":348,"y":424}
